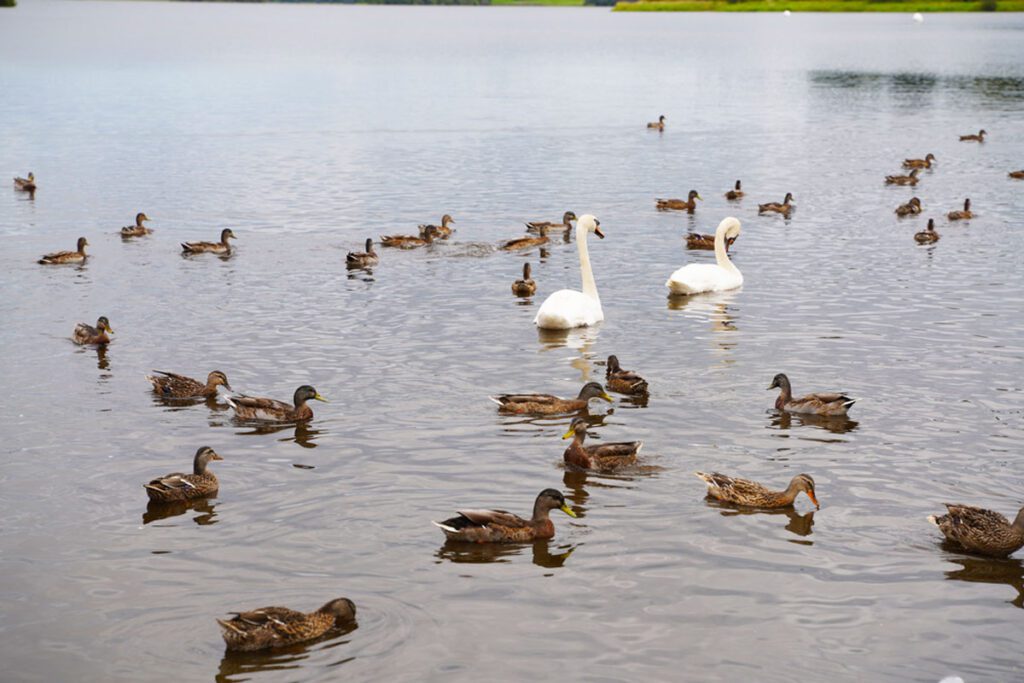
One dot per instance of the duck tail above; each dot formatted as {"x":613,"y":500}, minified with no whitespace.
{"x":444,"y":527}
{"x":496,"y":399}
{"x":933,"y":519}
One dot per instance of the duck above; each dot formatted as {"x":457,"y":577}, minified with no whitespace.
{"x":696,"y":278}
{"x":442,"y":231}
{"x":526,"y":286}
{"x":410,"y":242}
{"x":269,"y":627}
{"x":221,"y":247}
{"x":735,"y":193}
{"x":1019,"y":175}
{"x":499,"y":526}
{"x":362,"y":259}
{"x":62,"y":257}
{"x":527,"y":242}
{"x":919,"y":163}
{"x":177,"y":486}
{"x":623,"y":381}
{"x":603,"y":456}
{"x":981,"y":531}
{"x":87,"y":334}
{"x":911,"y":208}
{"x":172,"y":385}
{"x":678,"y":204}
{"x":911,"y":179}
{"x":785,"y":208}
{"x":546,"y":404}
{"x":271,"y":410}
{"x":696,"y":240}
{"x":659,"y":124}
{"x":567,"y":218}
{"x":928,"y":235}
{"x":827,"y":405}
{"x":980,"y":137}
{"x":137,"y":230}
{"x":752,"y":494}
{"x":961,"y":215}
{"x":26,"y":184}
{"x":567,"y":308}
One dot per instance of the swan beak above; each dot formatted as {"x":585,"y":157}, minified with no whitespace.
{"x":606,"y":397}
{"x":568,"y":434}
{"x":597,"y":231}
{"x":567,"y":510}
{"x":810,"y":494}
{"x":318,"y":397}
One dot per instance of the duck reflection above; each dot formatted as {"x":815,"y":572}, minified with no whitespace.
{"x":361,"y":274}
{"x":156,"y":511}
{"x":302,"y":433}
{"x":800,"y":525}
{"x":461,"y":552}
{"x":837,"y":425}
{"x":987,"y":570}
{"x":175,"y":404}
{"x":102,"y":362}
{"x":236,"y":667}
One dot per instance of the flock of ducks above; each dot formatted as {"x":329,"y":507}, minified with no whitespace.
{"x":972,"y":529}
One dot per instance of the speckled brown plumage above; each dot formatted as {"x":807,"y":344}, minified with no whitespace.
{"x":526,"y":242}
{"x":61,"y":257}
{"x":735,"y":193}
{"x":623,"y":381}
{"x":825,"y":404}
{"x":659,"y":124}
{"x":409,"y":241}
{"x":567,"y":218}
{"x":440,"y":231}
{"x":689,"y":205}
{"x":928,"y":235}
{"x":26,"y":184}
{"x":222,"y":247}
{"x":981,"y":531}
{"x":499,"y":526}
{"x":137,"y":230}
{"x":526,"y":286}
{"x":269,"y":627}
{"x":963,"y":215}
{"x":177,"y":486}
{"x":87,"y":334}
{"x":546,"y":404}
{"x":919,"y":163}
{"x":911,"y":208}
{"x":172,"y":385}
{"x":605,"y":457}
{"x":910,"y":179}
{"x":271,"y":410}
{"x":752,"y":494}
{"x":363,"y":259}
{"x":785,"y":208}
{"x":980,"y":137}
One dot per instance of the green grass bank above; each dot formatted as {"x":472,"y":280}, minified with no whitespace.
{"x":819,"y":6}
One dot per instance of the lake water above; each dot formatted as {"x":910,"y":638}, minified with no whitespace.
{"x":307,"y":129}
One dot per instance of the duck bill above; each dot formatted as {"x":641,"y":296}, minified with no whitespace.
{"x":699,"y":197}
{"x":318,"y":397}
{"x":569,"y":434}
{"x":567,"y":510}
{"x":814,"y":500}
{"x":605,"y":397}
{"x":216,"y":456}
{"x":597,"y":231}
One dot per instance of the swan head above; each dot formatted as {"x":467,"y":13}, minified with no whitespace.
{"x":589,"y":223}
{"x":594,"y":390}
{"x":729,"y":228}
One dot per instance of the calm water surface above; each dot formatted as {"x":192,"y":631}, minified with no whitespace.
{"x":307,"y":129}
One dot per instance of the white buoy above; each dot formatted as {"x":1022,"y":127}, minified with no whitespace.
{"x":918,"y":17}
{"x":786,"y":13}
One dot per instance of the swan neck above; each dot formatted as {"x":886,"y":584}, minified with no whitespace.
{"x":586,"y":273}
{"x":721,"y":255}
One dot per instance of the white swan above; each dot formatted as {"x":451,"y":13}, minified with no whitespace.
{"x":567,"y":308}
{"x":704,"y":277}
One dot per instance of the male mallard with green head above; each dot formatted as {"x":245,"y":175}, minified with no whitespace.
{"x":271,"y":410}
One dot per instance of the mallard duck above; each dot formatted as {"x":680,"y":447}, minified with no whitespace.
{"x":567,"y":218}
{"x":527,"y":242}
{"x":828,"y":405}
{"x":961,"y":215}
{"x":659,"y":124}
{"x":911,"y":208}
{"x":26,"y":184}
{"x":696,"y":240}
{"x":903,"y":179}
{"x":1019,"y":175}
{"x":137,"y":230}
{"x":602,"y":456}
{"x":362,"y":259}
{"x":735,"y":193}
{"x":751,"y":494}
{"x":919,"y":163}
{"x":498,"y":526}
{"x":981,"y":531}
{"x":270,"y":410}
{"x":546,"y":404}
{"x":678,"y":204}
{"x":269,"y":627}
{"x":442,"y":231}
{"x":980,"y":137}
{"x":928,"y":235}
{"x":61,"y":257}
{"x":171,"y":385}
{"x":177,"y":486}
{"x":87,"y":334}
{"x":526,"y":286}
{"x":408,"y":241}
{"x":623,"y":381}
{"x":221,"y":247}
{"x":774,"y":207}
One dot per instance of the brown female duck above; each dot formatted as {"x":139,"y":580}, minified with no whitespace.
{"x":137,"y":230}
{"x":171,"y":385}
{"x":751,"y":494}
{"x":410,"y":242}
{"x":499,"y":526}
{"x":546,"y":404}
{"x":221,"y":247}
{"x":678,"y":204}
{"x":919,"y":163}
{"x":270,"y":410}
{"x":623,"y":381}
{"x":61,"y":257}
{"x":1019,"y":175}
{"x":980,"y":137}
{"x":442,"y":231}
{"x":911,"y":208}
{"x":177,"y":486}
{"x":526,"y":286}
{"x":268,"y":627}
{"x":362,"y":259}
{"x":735,"y":193}
{"x":87,"y":334}
{"x":774,"y":207}
{"x":911,"y":179}
{"x":961,"y":215}
{"x":26,"y":184}
{"x":696,"y":240}
{"x":659,"y":124}
{"x":567,"y":218}
{"x":605,"y":457}
{"x":981,"y":531}
{"x":828,"y":405}
{"x":928,"y":235}
{"x":527,"y":242}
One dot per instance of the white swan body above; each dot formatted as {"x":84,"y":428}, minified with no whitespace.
{"x":705,"y":277}
{"x":567,"y":308}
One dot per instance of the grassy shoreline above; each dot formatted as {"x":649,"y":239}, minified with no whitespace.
{"x":815,"y":6}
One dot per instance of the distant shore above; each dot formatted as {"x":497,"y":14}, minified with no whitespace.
{"x":819,"y":6}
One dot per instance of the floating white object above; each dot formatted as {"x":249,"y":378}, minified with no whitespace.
{"x":567,"y":308}
{"x":705,"y":277}
{"x":918,"y":17}
{"x":786,"y":13}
